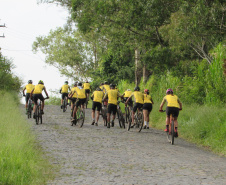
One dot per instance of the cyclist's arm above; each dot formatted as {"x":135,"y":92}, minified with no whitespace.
{"x":105,"y":96}
{"x":46,"y":92}
{"x":180,"y":104}
{"x":152,"y":101}
{"x":24,"y":91}
{"x":162,"y":104}
{"x":32,"y":92}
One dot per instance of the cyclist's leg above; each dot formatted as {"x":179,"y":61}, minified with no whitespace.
{"x":93,"y":112}
{"x":145,"y":113}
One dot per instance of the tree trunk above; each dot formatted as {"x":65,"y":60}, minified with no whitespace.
{"x":136,"y":65}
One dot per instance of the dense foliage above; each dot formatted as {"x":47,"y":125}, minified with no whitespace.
{"x":172,"y":43}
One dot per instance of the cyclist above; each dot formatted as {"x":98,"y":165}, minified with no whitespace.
{"x":173,"y":107}
{"x":74,"y":97}
{"x":106,"y":87}
{"x":139,"y":101}
{"x":81,"y":99}
{"x":87,"y":88}
{"x":126,"y":95}
{"x":29,"y":87}
{"x":147,"y":108}
{"x":37,"y":94}
{"x":97,"y":97}
{"x":112,"y":96}
{"x":64,"y":91}
{"x":101,"y":86}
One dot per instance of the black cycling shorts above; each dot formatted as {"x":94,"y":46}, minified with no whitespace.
{"x":73,"y":100}
{"x":137,"y":106}
{"x":147,"y":106}
{"x":172,"y":110}
{"x":96,"y":105}
{"x":80,"y":102}
{"x":112,"y":108}
{"x":130,"y":102}
{"x":38,"y":96}
{"x":64,"y":94}
{"x":27,"y":96}
{"x":87,"y":91}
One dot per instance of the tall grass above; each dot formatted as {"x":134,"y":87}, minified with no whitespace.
{"x":21,"y":160}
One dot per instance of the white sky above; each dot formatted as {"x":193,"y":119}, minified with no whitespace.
{"x":25,"y":20}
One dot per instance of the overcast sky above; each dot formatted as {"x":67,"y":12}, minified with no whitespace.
{"x":25,"y":20}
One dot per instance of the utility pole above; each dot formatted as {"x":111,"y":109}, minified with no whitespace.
{"x":3,"y":36}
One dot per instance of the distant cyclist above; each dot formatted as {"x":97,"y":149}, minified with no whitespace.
{"x":74,"y":96}
{"x":87,"y":88}
{"x":106,"y":87}
{"x":37,"y":94}
{"x":97,"y":97}
{"x":147,"y":108}
{"x":29,"y":87}
{"x":64,"y":91}
{"x":101,"y":86}
{"x":112,"y":96}
{"x":126,"y":95}
{"x":173,"y":107}
{"x":139,"y":101}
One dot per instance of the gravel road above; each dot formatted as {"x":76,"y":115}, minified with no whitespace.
{"x":97,"y":155}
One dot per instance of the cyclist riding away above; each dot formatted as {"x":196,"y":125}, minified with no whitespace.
{"x":74,"y":97}
{"x":173,"y":107}
{"x":147,"y":107}
{"x":139,"y":101}
{"x":29,"y":87}
{"x":37,"y":94}
{"x":106,"y":87}
{"x":97,"y":97}
{"x":81,"y":99}
{"x":87,"y":88}
{"x":112,"y":96}
{"x":64,"y":91}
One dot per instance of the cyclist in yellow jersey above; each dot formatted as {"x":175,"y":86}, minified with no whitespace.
{"x":106,"y":87}
{"x":37,"y":94}
{"x":126,"y":95}
{"x":73,"y":97}
{"x":87,"y":88}
{"x":81,"y":99}
{"x":139,"y":101}
{"x":147,"y":108}
{"x":173,"y":107}
{"x":101,"y":86}
{"x":112,"y":96}
{"x":29,"y":87}
{"x":64,"y":91}
{"x":97,"y":97}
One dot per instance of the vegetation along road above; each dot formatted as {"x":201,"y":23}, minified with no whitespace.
{"x":97,"y":155}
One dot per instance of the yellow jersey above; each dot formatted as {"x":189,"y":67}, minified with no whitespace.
{"x":171,"y":100}
{"x":72,"y":90}
{"x":127,"y":94}
{"x":29,"y":88}
{"x":147,"y":98}
{"x":98,"y":96}
{"x":38,"y":89}
{"x":106,"y":88}
{"x":81,"y":93}
{"x":112,"y":96}
{"x":64,"y":88}
{"x":86,"y":85}
{"x":138,"y":97}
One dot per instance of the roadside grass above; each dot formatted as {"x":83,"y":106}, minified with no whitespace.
{"x":200,"y":124}
{"x":21,"y":159}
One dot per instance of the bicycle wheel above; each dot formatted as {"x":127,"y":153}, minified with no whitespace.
{"x":104,"y":115}
{"x":129,"y":122}
{"x":37,"y":114}
{"x":80,"y":117}
{"x":140,"y":121}
{"x":119,"y":118}
{"x":127,"y":114}
{"x":65,"y":104}
{"x":86,"y":103}
{"x":29,"y":110}
{"x":172,"y":132}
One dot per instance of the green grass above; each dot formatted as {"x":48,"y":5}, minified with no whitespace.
{"x":203,"y":125}
{"x":21,"y":159}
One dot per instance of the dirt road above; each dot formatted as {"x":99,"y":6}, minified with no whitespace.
{"x":97,"y":155}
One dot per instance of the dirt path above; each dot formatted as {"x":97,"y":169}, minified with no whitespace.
{"x":97,"y":155}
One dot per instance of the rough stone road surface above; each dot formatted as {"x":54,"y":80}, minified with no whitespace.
{"x":97,"y":155}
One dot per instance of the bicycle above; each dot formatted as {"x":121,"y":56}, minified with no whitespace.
{"x":29,"y":108}
{"x":171,"y":133}
{"x":38,"y":114}
{"x":128,"y":113}
{"x":103,"y":112}
{"x":138,"y":120}
{"x":120,"y":116}
{"x":65,"y":102}
{"x":86,"y":103}
{"x":79,"y":116}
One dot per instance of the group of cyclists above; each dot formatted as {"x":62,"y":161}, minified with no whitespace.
{"x":108,"y":95}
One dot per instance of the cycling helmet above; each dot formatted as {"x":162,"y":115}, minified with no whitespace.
{"x":137,"y":88}
{"x":105,"y":82}
{"x":30,"y":81}
{"x":168,"y":91}
{"x":98,"y":89}
{"x":128,"y":90}
{"x":146,"y":90}
{"x":87,"y":81}
{"x":66,"y":82}
{"x":75,"y":84}
{"x":41,"y":82}
{"x":112,"y":85}
{"x":79,"y":83}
